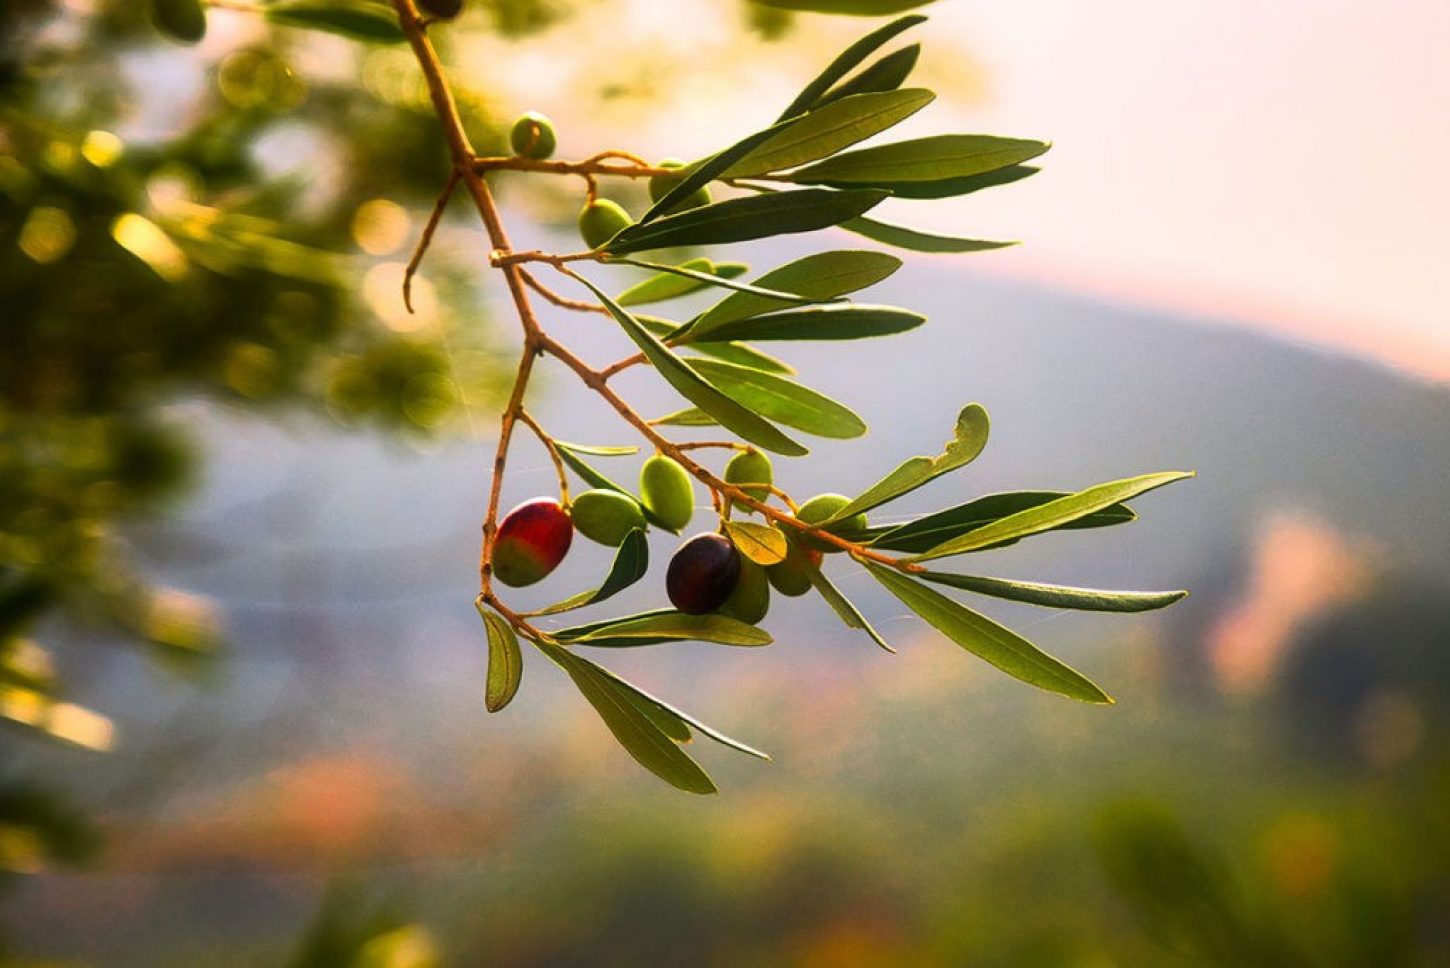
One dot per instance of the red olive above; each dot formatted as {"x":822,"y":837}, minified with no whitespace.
{"x":532,"y":539}
{"x":702,"y":574}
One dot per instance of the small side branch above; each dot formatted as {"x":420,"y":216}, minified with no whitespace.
{"x":427,"y":237}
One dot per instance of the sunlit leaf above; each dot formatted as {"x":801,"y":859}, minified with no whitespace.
{"x":986,"y":639}
{"x":688,"y":417}
{"x":599,"y":450}
{"x":672,"y":285}
{"x":1054,"y":514}
{"x":692,"y":387}
{"x":931,"y":530}
{"x":635,"y":730}
{"x":742,"y":354}
{"x":922,"y":159}
{"x":915,"y":241}
{"x":1057,"y":596}
{"x":826,"y":130}
{"x":886,"y":74}
{"x":348,"y":18}
{"x":781,"y":399}
{"x":505,"y":661}
{"x":967,"y":442}
{"x":762,"y":543}
{"x":844,"y":608}
{"x":672,"y":626}
{"x":833,"y":322}
{"x":954,"y":187}
{"x":723,"y":282}
{"x":743,"y":219}
{"x":631,"y":562}
{"x":846,"y":62}
{"x":821,"y":275}
{"x":701,"y":173}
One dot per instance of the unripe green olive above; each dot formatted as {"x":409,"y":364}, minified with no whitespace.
{"x":666,"y":490}
{"x":750,"y":467}
{"x":792,"y":576}
{"x":601,"y":220}
{"x":751,"y":598}
{"x":822,"y":507}
{"x":442,"y":9}
{"x":606,"y":516}
{"x":532,"y":539}
{"x":533,"y":136}
{"x":660,"y":184}
{"x":182,"y":20}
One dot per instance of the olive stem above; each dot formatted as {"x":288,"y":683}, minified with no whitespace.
{"x":548,"y":441}
{"x":427,"y":237}
{"x":564,"y":302}
{"x":502,"y":258}
{"x":595,"y":165}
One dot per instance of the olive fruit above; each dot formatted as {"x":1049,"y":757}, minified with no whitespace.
{"x":751,"y":598}
{"x":532,"y":539}
{"x":606,"y":516}
{"x":601,"y":220}
{"x":792,"y":576}
{"x":532,"y":136}
{"x":820,"y":508}
{"x":660,"y":184}
{"x":750,"y":467}
{"x":442,"y":9}
{"x":702,"y":574}
{"x":665,"y":488}
{"x":182,"y":20}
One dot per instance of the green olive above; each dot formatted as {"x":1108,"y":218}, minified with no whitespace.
{"x":182,"y":20}
{"x":821,"y":508}
{"x":601,"y":220}
{"x":532,"y":136}
{"x":751,"y":598}
{"x":666,"y":490}
{"x":660,"y":184}
{"x":750,"y":467}
{"x":606,"y":516}
{"x":792,"y":576}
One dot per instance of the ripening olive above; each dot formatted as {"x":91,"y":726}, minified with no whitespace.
{"x":606,"y":516}
{"x":601,"y":220}
{"x":532,"y":539}
{"x":702,"y":574}
{"x":750,"y":467}
{"x":751,"y":598}
{"x":660,"y":184}
{"x":820,"y":508}
{"x":665,"y":488}
{"x":792,"y":576}
{"x":533,"y":136}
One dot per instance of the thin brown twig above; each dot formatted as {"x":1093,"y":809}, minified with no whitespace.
{"x":427,"y":237}
{"x":638,"y":167}
{"x":503,"y":259}
{"x":564,"y":302}
{"x":544,"y":438}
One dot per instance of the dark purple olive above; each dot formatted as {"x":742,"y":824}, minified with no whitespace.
{"x":702,"y":574}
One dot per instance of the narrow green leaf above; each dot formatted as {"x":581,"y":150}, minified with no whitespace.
{"x":834,"y":322}
{"x":952,"y":187}
{"x":826,"y":130}
{"x":1053,"y":514}
{"x":635,"y":730}
{"x":987,"y":640}
{"x":505,"y":661}
{"x":672,"y":285}
{"x":674,"y":626}
{"x":931,"y":530}
{"x":692,"y":387}
{"x":844,"y":608}
{"x":781,"y":399}
{"x":922,"y":159}
{"x":688,"y":417}
{"x":742,"y":354}
{"x":577,"y":631}
{"x":631,"y":562}
{"x":743,"y":219}
{"x":847,"y":61}
{"x":701,"y":173}
{"x":911,"y":239}
{"x":1057,"y":596}
{"x":599,"y":450}
{"x":761,"y":543}
{"x":969,"y":438}
{"x":707,"y":279}
{"x":821,"y":276}
{"x":347,"y":18}
{"x":886,"y":74}
{"x":681,"y":720}
{"x":850,"y":8}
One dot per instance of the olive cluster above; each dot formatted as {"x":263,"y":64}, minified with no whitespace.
{"x":707,"y":572}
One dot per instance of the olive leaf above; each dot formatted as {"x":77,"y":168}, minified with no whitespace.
{"x":846,"y":61}
{"x":1057,"y":596}
{"x":505,"y":661}
{"x":987,"y":640}
{"x":930,"y":530}
{"x":844,"y":608}
{"x":743,"y":219}
{"x":631,"y":562}
{"x":600,"y":450}
{"x":828,"y":129}
{"x":637,"y":731}
{"x":694,"y":388}
{"x":699,"y":174}
{"x":951,"y":187}
{"x":1054,"y":514}
{"x":569,"y":454}
{"x":917,"y":241}
{"x":853,"y":8}
{"x":922,"y":159}
{"x":781,"y":399}
{"x":668,"y":626}
{"x":822,"y":275}
{"x":348,"y":18}
{"x":886,"y":74}
{"x":672,"y":285}
{"x":688,"y":417}
{"x":970,"y":437}
{"x":833,"y":322}
{"x":724,"y":282}
{"x":761,"y":543}
{"x":743,"y":354}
